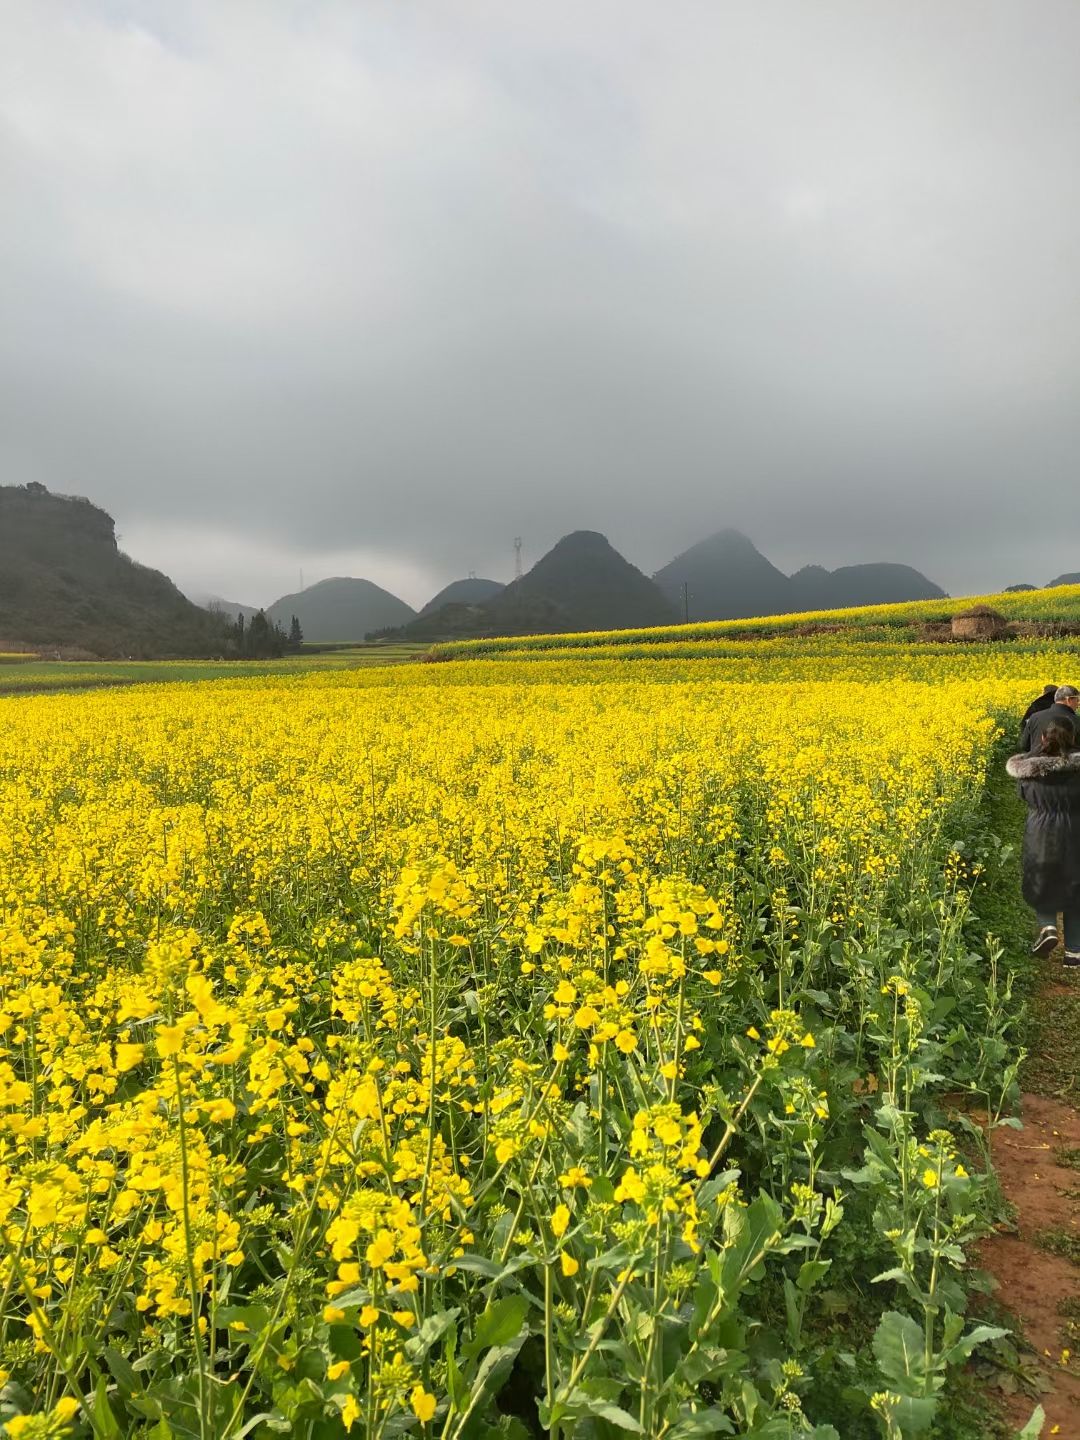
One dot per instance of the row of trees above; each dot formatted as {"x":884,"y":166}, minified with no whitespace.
{"x":262,"y":639}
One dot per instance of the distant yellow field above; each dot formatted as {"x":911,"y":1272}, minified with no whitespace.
{"x":1062,"y":603}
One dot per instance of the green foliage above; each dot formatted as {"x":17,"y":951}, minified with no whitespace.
{"x":259,"y":638}
{"x":65,"y":584}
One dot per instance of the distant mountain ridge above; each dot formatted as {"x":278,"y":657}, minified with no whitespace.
{"x":472,"y":591}
{"x":232,"y":609}
{"x":880,"y":583}
{"x":340,"y":609}
{"x":64,"y":582}
{"x":726,"y":577}
{"x":581,"y":583}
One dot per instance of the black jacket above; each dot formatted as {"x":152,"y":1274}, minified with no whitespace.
{"x":1041,"y":702}
{"x":1050,"y":787}
{"x":1041,"y":721}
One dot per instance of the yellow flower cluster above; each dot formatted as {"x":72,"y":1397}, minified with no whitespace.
{"x":324,"y":995}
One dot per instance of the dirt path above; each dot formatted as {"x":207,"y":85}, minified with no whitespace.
{"x":1035,"y":1281}
{"x":1035,"y":1257}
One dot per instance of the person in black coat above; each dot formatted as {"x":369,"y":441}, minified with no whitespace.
{"x":1041,"y":702}
{"x":1061,"y":712}
{"x":1050,"y":787}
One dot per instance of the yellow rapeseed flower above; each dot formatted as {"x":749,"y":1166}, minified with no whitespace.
{"x":423,"y":1404}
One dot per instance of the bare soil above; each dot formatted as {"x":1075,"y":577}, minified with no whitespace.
{"x":1034,"y":1281}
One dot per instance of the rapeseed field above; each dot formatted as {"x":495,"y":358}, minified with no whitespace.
{"x":495,"y":1049}
{"x":1056,"y":606}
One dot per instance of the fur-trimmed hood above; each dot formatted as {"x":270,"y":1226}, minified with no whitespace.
{"x":1041,"y":767}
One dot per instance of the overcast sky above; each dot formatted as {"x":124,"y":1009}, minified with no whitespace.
{"x":371,"y":288}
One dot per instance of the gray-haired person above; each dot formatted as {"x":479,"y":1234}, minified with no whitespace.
{"x":1062,"y":712}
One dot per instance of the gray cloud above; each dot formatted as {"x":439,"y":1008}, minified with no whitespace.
{"x":383,"y":286}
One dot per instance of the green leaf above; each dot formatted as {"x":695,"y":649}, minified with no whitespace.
{"x":500,"y":1323}
{"x":493,"y":1370}
{"x":914,"y":1414}
{"x":491,"y":1269}
{"x":344,"y":1343}
{"x":898,"y":1349}
{"x":794,"y":1314}
{"x":715,"y":1185}
{"x":254,"y":1319}
{"x":961,"y":1351}
{"x":951,"y":1329}
{"x":430,"y":1333}
{"x":347,"y":1300}
{"x":748,"y":1234}
{"x":710,"y":1362}
{"x":1034,"y":1427}
{"x":703,"y":1422}
{"x":509,"y":1427}
{"x":455,"y":1381}
{"x":810,"y":1272}
{"x":121,"y":1370}
{"x":579,"y":1402}
{"x":274,"y":1422}
{"x":896,"y":1273}
{"x":105,"y":1424}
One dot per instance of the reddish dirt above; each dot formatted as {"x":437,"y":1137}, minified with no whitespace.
{"x":1032,"y":1281}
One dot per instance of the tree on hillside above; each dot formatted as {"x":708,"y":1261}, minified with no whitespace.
{"x":259,"y":640}
{"x":296,"y":635}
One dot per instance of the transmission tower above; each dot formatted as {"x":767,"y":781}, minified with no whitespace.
{"x":517,"y":557}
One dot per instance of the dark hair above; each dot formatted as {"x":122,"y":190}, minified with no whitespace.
{"x":1056,"y":740}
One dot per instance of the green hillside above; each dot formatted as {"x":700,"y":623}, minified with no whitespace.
{"x":473,"y":591}
{"x":64,"y":584}
{"x":340,"y":609}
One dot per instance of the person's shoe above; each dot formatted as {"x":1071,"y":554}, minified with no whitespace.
{"x":1072,"y":960}
{"x":1047,"y":941}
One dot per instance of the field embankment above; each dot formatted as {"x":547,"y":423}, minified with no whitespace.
{"x":29,"y":674}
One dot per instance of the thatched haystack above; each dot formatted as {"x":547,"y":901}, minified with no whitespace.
{"x":979,"y":623}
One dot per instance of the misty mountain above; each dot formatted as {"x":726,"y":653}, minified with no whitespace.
{"x":1072,"y":578}
{"x":231,"y":609}
{"x":340,"y":610}
{"x":809,"y":588}
{"x":65,"y":582}
{"x":453,"y":621}
{"x":815,"y":588}
{"x":582,"y":583}
{"x":472,"y":591}
{"x":726,"y":578}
